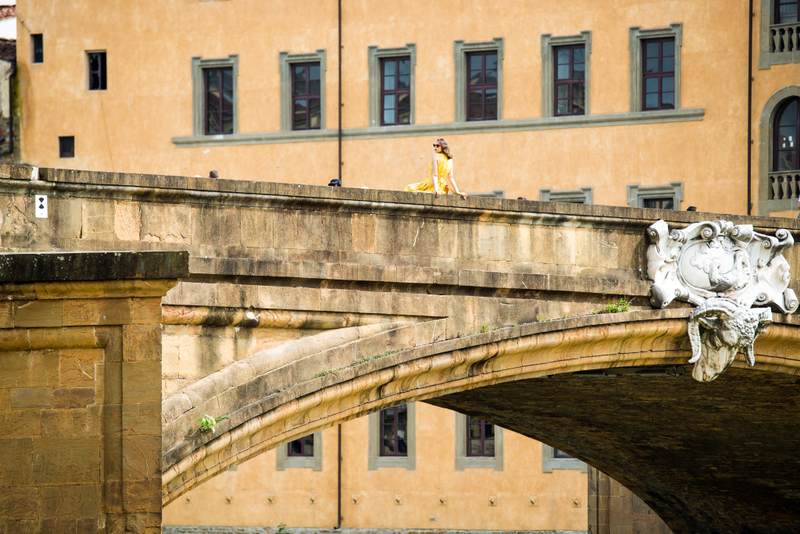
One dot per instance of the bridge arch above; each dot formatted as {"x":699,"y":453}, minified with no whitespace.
{"x":509,"y":376}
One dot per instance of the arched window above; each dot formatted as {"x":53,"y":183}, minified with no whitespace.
{"x":786,"y":130}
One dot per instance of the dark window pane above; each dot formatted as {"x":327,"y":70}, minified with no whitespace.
{"x":668,"y":48}
{"x":404,"y":81}
{"x":652,"y":49}
{"x":663,"y":203}
{"x":668,"y":84}
{"x":300,"y":114}
{"x":786,"y":134}
{"x":97,"y":71}
{"x":389,"y":116}
{"x":389,"y":101}
{"x":562,"y":72}
{"x":480,"y":437}
{"x":393,"y":423}
{"x":578,"y":71}
{"x":490,"y":105}
{"x":405,"y":66}
{"x":578,"y":100}
{"x":475,"y":104}
{"x":668,"y":64}
{"x":389,"y":82}
{"x":651,"y":65}
{"x":579,"y":54}
{"x":558,"y":453}
{"x":788,"y":116}
{"x":66,"y":146}
{"x":475,"y":62}
{"x":37,"y":48}
{"x":651,"y":101}
{"x":482,"y":86}
{"x":403,"y":108}
{"x":668,"y":100}
{"x":301,"y":447}
{"x":562,"y":91}
{"x":562,"y":55}
{"x":651,"y":85}
{"x":562,"y":107}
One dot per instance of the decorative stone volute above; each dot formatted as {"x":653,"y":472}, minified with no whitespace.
{"x":724,"y":269}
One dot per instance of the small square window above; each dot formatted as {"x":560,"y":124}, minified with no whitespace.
{"x":66,"y":146}
{"x":37,"y":48}
{"x":480,"y":437}
{"x":97,"y":71}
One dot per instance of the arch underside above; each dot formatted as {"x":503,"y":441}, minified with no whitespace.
{"x":613,"y":390}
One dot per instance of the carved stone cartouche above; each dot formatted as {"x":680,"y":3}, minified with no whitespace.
{"x":723,"y":269}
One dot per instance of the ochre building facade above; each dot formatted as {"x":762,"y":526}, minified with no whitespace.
{"x":638,"y":103}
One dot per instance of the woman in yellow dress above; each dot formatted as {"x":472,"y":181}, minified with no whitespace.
{"x":442,"y":178}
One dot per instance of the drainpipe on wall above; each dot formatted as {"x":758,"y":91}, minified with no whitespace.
{"x":750,"y":15}
{"x":339,"y":129}
{"x":339,"y":476}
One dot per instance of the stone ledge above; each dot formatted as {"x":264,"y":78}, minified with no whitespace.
{"x":31,"y":267}
{"x":259,"y":193}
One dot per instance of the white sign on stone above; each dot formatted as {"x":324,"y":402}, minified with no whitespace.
{"x":724,"y":269}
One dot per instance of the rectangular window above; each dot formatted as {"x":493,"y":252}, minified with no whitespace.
{"x":787,"y":11}
{"x":97,"y":70}
{"x":303,"y":447}
{"x":66,"y":146}
{"x":395,"y":90}
{"x":482,"y":86}
{"x":306,"y":110}
{"x":569,"y":73}
{"x":37,"y":48}
{"x":394,"y":431}
{"x":480,"y":437}
{"x":658,"y":73}
{"x":218,"y":100}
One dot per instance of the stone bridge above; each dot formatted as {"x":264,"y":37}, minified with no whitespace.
{"x":306,"y":306}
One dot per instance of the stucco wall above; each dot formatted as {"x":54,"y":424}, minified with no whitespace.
{"x":131,"y":126}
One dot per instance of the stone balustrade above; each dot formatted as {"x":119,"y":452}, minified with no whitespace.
{"x":784,"y":185}
{"x":785,"y":37}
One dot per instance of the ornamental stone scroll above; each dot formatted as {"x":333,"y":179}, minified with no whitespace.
{"x":724,"y":270}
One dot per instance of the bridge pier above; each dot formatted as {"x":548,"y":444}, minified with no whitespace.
{"x":80,"y":390}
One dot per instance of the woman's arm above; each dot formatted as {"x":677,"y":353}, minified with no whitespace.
{"x":451,"y":177}
{"x":435,"y":174}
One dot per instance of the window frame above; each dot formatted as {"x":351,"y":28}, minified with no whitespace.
{"x":199,"y":65}
{"x":374,"y":57}
{"x":636,"y":36}
{"x":375,"y":460}
{"x":104,"y":71}
{"x":659,"y":75}
{"x":463,"y":460}
{"x":397,"y":91}
{"x":551,"y":462}
{"x":285,"y":61}
{"x":308,"y":96}
{"x":284,"y":461}
{"x":584,"y":195}
{"x":767,"y":58}
{"x":548,"y":44}
{"x":460,"y":51}
{"x":775,"y":149}
{"x":637,"y":194}
{"x":767,"y":153}
{"x":481,"y":88}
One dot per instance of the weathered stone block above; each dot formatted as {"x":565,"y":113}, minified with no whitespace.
{"x":28,"y":369}
{"x":73,"y":423}
{"x":143,"y":495}
{"x":166,"y":226}
{"x":21,"y":423}
{"x":6,"y":315}
{"x":73,"y":397}
{"x":97,"y":220}
{"x":66,"y":461}
{"x":257,"y":228}
{"x":127,"y":221}
{"x":73,"y":501}
{"x":16,"y":462}
{"x":141,"y":456}
{"x":146,"y":311}
{"x":19,"y":502}
{"x":31,"y":398}
{"x":76,"y":367}
{"x":96,"y":312}
{"x":144,"y":419}
{"x":38,"y":313}
{"x":141,"y":343}
{"x":141,"y":382}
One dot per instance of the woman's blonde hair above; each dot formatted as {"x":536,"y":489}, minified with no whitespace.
{"x":445,"y":149}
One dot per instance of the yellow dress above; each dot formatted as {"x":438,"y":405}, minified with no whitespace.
{"x":444,"y":168}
